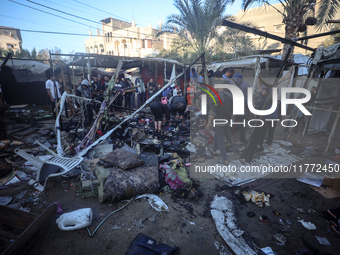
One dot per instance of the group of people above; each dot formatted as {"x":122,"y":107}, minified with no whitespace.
{"x":170,"y":101}
{"x":223,"y":132}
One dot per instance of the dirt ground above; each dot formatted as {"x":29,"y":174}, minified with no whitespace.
{"x":189,"y":224}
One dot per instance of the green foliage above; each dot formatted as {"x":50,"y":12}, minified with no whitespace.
{"x":333,"y":39}
{"x":197,"y":22}
{"x":41,"y":55}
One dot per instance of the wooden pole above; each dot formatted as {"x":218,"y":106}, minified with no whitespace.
{"x":74,"y":85}
{"x":64,"y":84}
{"x":54,"y":87}
{"x":331,"y":137}
{"x":305,"y":131}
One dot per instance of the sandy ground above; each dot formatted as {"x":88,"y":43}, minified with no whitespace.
{"x":189,"y":224}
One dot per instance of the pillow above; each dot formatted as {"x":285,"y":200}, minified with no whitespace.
{"x":123,"y":159}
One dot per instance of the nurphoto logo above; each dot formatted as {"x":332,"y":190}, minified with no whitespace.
{"x":239,"y":105}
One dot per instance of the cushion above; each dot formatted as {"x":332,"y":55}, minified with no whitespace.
{"x":122,"y":159}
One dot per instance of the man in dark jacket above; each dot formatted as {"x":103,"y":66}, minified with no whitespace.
{"x":178,"y":104}
{"x":223,"y":111}
{"x":158,"y":109}
{"x":243,"y":85}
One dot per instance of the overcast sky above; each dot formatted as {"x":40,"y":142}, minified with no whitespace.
{"x":25,"y":18}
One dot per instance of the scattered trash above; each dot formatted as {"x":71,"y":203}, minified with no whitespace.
{"x":309,"y":151}
{"x":276,"y":213}
{"x":223,"y":250}
{"x":257,"y":198}
{"x":250,"y":214}
{"x":263,"y":218}
{"x":78,"y":219}
{"x":307,"y":225}
{"x":268,"y":251}
{"x":118,"y":226}
{"x":223,"y":215}
{"x":143,"y":244}
{"x":323,"y":240}
{"x":5,"y":200}
{"x":190,"y":222}
{"x":287,"y":224}
{"x":155,"y":202}
{"x":281,"y":240}
{"x":311,"y":179}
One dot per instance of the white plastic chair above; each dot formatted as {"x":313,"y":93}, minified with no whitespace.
{"x":54,"y":166}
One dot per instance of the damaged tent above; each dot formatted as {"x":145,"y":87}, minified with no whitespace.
{"x":325,"y":73}
{"x":23,"y":82}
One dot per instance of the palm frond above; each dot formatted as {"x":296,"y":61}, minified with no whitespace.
{"x":327,"y":10}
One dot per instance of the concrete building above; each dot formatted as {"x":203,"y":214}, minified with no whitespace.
{"x":10,"y":38}
{"x":120,"y":38}
{"x":268,"y":19}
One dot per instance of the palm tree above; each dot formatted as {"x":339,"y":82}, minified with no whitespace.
{"x":197,"y":22}
{"x":236,"y":41}
{"x":295,"y":15}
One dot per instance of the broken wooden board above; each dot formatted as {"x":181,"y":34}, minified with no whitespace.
{"x":33,"y":227}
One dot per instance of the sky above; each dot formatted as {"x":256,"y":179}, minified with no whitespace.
{"x":15,"y":14}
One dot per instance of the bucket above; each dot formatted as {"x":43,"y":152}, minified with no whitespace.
{"x":78,"y":219}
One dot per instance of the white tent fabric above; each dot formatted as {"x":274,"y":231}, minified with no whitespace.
{"x":249,"y":62}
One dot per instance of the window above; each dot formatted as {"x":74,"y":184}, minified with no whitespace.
{"x":278,"y":29}
{"x":10,"y":46}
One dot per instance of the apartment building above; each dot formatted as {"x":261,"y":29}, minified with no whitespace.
{"x":10,"y":38}
{"x":120,"y":38}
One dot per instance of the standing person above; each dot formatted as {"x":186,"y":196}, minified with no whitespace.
{"x":61,"y":86}
{"x":152,"y":90}
{"x":132,"y":95}
{"x":228,"y":74}
{"x":140,"y":90}
{"x":84,"y":90}
{"x":243,"y":85}
{"x":158,"y":109}
{"x":223,"y":111}
{"x":167,"y":93}
{"x":268,"y":125}
{"x":190,"y":93}
{"x":52,"y":89}
{"x":127,"y":96}
{"x":106,"y":81}
{"x":178,"y":104}
{"x":151,"y":87}
{"x":159,"y":97}
{"x":201,"y":76}
{"x":119,"y":87}
{"x":176,"y":89}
